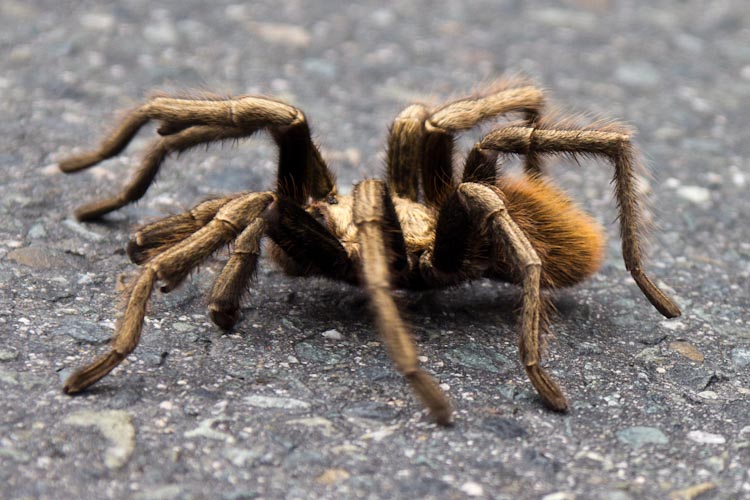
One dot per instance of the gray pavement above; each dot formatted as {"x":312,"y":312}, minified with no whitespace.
{"x":300,"y":400}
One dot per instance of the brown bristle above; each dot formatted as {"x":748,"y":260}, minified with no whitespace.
{"x":569,"y":242}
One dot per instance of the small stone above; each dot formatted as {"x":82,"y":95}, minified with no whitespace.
{"x":716,"y":464}
{"x":97,"y":21}
{"x":380,"y":434}
{"x":640,"y":436}
{"x":614,"y":495}
{"x":597,"y":459}
{"x":696,"y":194}
{"x":86,"y":278}
{"x":333,"y":476}
{"x":704,"y":437}
{"x":689,"y":375}
{"x":559,"y":495}
{"x":472,"y":489}
{"x":182,"y":327}
{"x":325,"y":425}
{"x":37,"y":231}
{"x":116,"y":426}
{"x":282,"y":34}
{"x":276,"y":402}
{"x":708,"y":395}
{"x":206,"y":429}
{"x":7,"y":355}
{"x":741,"y":356}
{"x":161,"y":492}
{"x":242,"y":457}
{"x":333,"y":334}
{"x":687,"y":349}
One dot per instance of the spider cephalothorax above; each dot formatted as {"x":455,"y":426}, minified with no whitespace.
{"x":419,"y":228}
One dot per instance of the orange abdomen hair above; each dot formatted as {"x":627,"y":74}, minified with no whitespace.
{"x":569,"y":242}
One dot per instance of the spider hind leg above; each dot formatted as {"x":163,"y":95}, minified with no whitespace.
{"x":492,"y":221}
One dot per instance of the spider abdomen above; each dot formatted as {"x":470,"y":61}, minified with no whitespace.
{"x":569,"y":242}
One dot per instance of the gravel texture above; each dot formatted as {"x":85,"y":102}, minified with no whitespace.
{"x":300,"y":400}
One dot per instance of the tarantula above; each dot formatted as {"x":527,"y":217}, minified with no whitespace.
{"x":418,"y":229}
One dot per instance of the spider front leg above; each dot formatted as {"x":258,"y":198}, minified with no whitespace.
{"x":378,"y":232}
{"x":420,"y":143}
{"x":239,"y":216}
{"x":189,"y":122}
{"x":612,"y":142}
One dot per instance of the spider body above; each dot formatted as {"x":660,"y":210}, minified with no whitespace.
{"x":569,"y":242}
{"x":420,"y":228}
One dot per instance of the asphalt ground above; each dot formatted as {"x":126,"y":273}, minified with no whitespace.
{"x":300,"y":400}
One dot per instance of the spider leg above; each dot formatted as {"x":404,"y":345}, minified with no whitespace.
{"x":371,"y":219}
{"x":150,"y":165}
{"x":189,"y":122}
{"x":456,"y":255}
{"x":309,"y":248}
{"x":224,"y":302}
{"x":422,"y":139}
{"x":484,"y":204}
{"x":154,"y":238}
{"x":171,"y":267}
{"x":611,"y":142}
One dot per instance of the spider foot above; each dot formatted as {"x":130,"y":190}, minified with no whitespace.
{"x":225,"y":316}
{"x":80,"y":162}
{"x":431,"y":396}
{"x":547,"y":388}
{"x":94,"y":210}
{"x":658,"y":299}
{"x":90,"y":374}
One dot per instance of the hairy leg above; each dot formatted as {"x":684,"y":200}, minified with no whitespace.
{"x":372,"y":220}
{"x":224,"y":302}
{"x":170,"y":267}
{"x":308,"y":247}
{"x":609,"y":141}
{"x":486,"y":208}
{"x":150,"y":165}
{"x":421,"y":140}
{"x":189,"y":122}
{"x":156,"y":237}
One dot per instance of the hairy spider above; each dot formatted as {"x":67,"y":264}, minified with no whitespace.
{"x":419,"y":228}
